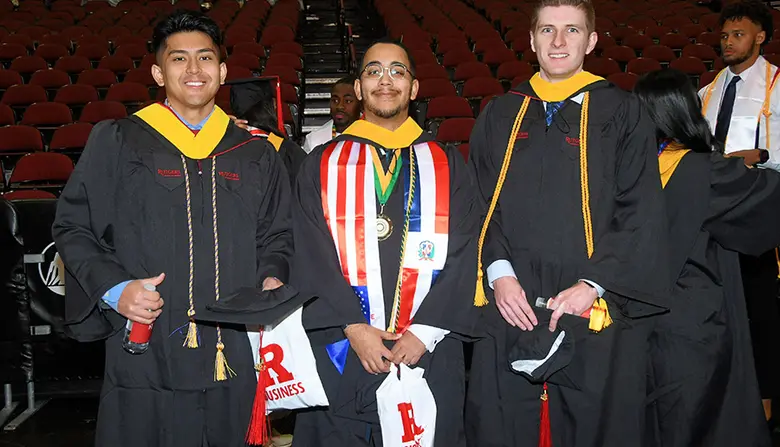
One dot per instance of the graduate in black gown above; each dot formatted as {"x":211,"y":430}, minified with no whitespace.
{"x":178,"y":197}
{"x":257,"y":104}
{"x":703,"y":388}
{"x":575,"y":213}
{"x":379,"y":187}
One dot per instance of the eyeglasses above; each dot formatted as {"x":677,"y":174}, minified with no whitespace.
{"x":377,"y":70}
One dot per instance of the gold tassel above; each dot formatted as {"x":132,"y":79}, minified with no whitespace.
{"x":480,"y":299}
{"x":599,"y":316}
{"x":221,"y":368}
{"x":191,"y":341}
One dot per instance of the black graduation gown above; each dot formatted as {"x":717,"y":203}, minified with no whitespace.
{"x":351,"y":419}
{"x":538,"y":226}
{"x":703,"y":389}
{"x":292,"y":155}
{"x":122,"y":216}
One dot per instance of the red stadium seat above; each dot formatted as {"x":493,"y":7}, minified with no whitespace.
{"x":431,"y":71}
{"x":42,"y":168}
{"x":20,"y":140}
{"x":284,"y":60}
{"x":468,"y":70}
{"x":660,"y":53}
{"x":76,"y":95}
{"x":27,"y":65}
{"x":47,"y":114}
{"x":50,"y":52}
{"x":432,"y":88}
{"x":245,"y":60}
{"x":98,"y":78}
{"x":449,"y":107}
{"x":626,"y":81}
{"x":72,"y":65}
{"x":253,"y":48}
{"x":97,"y":111}
{"x":25,"y":194}
{"x":455,"y":130}
{"x":22,"y":95}
{"x":643,"y":65}
{"x":481,"y":87}
{"x":601,"y":66}
{"x":116,"y":64}
{"x":128,"y":93}
{"x":9,"y":78}
{"x":7,"y":117}
{"x":71,"y":137}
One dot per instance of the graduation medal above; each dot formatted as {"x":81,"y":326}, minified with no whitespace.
{"x":383,"y":184}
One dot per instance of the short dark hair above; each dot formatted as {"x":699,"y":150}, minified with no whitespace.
{"x":388,"y":41}
{"x":754,"y":10}
{"x":670,"y":99}
{"x":583,"y":5}
{"x":346,"y":80}
{"x":185,"y":21}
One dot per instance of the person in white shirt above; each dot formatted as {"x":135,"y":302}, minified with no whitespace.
{"x":744,"y":95}
{"x":742,"y":106}
{"x":345,"y":108}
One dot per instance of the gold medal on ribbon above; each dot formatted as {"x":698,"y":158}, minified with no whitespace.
{"x":384,"y":183}
{"x":384,"y":227}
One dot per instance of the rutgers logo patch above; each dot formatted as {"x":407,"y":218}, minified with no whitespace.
{"x":280,"y":382}
{"x":412,"y":432}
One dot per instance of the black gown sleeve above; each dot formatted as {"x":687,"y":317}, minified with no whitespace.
{"x":450,"y":302}
{"x":274,"y":231}
{"x":83,"y":231}
{"x":629,"y":258}
{"x":485,"y":168}
{"x":293,"y":157}
{"x":744,"y":215}
{"x":316,"y":271}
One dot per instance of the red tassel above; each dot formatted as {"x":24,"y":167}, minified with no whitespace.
{"x":259,"y":432}
{"x":545,"y":435}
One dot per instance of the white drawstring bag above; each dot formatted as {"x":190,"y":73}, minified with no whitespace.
{"x":293,"y":379}
{"x":407,"y":409}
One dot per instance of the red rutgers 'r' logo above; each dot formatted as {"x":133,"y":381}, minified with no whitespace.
{"x":411,"y":429}
{"x":274,"y":362}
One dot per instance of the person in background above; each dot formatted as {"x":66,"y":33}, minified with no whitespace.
{"x":254,"y":102}
{"x":742,"y":106}
{"x":345,"y":108}
{"x":701,"y":370}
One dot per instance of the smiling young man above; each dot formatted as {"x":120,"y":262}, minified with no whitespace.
{"x":178,"y":198}
{"x":565,"y":167}
{"x":345,"y":108}
{"x":742,"y":106}
{"x":386,"y":219}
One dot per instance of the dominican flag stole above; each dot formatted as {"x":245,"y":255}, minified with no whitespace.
{"x":350,"y":209}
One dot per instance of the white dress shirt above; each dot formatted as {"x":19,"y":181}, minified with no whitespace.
{"x":319,"y":136}
{"x":747,"y":115}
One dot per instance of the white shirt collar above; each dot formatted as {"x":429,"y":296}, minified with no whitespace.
{"x":745,"y":75}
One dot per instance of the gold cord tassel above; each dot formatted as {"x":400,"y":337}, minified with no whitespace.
{"x":221,"y":368}
{"x":599,"y":313}
{"x":480,"y":298}
{"x":191,"y":340}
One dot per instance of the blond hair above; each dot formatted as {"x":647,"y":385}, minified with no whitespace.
{"x":583,"y":5}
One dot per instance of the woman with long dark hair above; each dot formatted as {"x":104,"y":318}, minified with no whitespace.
{"x":702,"y":388}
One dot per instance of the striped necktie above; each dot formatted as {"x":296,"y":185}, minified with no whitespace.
{"x":552,"y":109}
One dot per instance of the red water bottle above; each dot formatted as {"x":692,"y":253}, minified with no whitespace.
{"x":137,"y":335}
